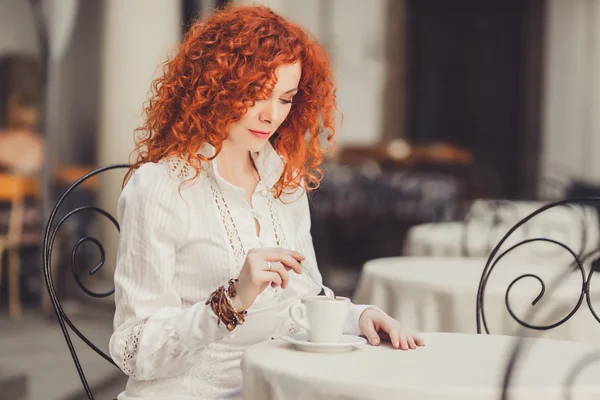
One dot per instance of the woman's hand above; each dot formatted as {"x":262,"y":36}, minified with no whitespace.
{"x":377,"y":325}
{"x":255,"y":275}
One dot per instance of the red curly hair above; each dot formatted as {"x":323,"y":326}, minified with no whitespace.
{"x":226,"y":63}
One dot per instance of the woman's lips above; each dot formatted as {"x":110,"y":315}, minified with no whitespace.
{"x":260,"y":134}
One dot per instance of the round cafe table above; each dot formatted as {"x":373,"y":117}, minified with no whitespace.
{"x":438,"y":294}
{"x":450,"y":366}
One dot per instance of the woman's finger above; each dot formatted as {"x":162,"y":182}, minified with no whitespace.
{"x":289,"y":258}
{"x":278,"y":271}
{"x":291,"y":263}
{"x":402,"y":339}
{"x":418,"y":341}
{"x":297,"y":256}
{"x":371,"y":334}
{"x":276,"y":280}
{"x":411,"y":342}
{"x":392,"y":333}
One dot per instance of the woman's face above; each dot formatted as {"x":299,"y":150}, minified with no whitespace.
{"x":254,"y":129}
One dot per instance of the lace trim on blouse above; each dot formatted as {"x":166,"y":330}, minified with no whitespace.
{"x":233,"y":234}
{"x":179,"y":168}
{"x":131,"y":349}
{"x":277,"y":228}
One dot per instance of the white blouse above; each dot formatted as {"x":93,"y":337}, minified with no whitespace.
{"x":179,"y":242}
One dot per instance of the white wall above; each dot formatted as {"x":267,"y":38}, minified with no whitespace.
{"x":355,"y":38}
{"x":571,"y":109}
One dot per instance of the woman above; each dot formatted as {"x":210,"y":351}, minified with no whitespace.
{"x":215,"y":224}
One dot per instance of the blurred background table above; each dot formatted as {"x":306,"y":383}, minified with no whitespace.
{"x":439,"y":294}
{"x":487,"y":221}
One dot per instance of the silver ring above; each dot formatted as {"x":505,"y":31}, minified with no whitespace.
{"x":269,"y":266}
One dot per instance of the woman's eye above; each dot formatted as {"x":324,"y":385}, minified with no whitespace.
{"x":283,"y":101}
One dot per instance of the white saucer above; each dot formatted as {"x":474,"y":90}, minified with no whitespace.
{"x":348,"y":343}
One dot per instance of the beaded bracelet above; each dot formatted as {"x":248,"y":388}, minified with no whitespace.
{"x":220,"y":302}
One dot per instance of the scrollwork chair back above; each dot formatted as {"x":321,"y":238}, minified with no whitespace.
{"x":579,"y":259}
{"x":50,"y":235}
{"x":521,"y":345}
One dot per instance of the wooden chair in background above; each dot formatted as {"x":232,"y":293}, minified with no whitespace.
{"x":14,"y":190}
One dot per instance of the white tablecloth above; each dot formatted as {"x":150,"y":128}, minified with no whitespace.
{"x":576,"y":227}
{"x":435,"y":294}
{"x":451,"y":366}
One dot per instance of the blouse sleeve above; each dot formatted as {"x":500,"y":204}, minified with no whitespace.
{"x":154,"y":335}
{"x":304,"y":245}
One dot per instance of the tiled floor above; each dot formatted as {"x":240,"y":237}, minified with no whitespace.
{"x":35,"y":345}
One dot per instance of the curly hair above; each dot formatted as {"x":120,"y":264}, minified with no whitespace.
{"x":226,"y":63}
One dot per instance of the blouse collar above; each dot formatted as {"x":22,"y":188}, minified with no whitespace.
{"x":268,"y":163}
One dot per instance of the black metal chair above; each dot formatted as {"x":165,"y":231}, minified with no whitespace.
{"x":50,"y":235}
{"x":577,"y":266}
{"x":519,"y":349}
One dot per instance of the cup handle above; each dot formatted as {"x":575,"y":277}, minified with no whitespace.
{"x":298,"y":315}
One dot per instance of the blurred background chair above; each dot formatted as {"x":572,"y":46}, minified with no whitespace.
{"x":20,"y":230}
{"x":21,"y":160}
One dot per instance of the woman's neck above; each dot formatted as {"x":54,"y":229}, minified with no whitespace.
{"x":235,"y":166}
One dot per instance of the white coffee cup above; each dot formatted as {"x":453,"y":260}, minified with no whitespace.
{"x":323,"y":317}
